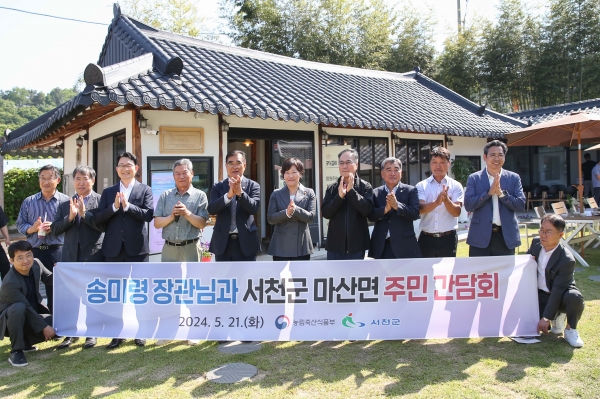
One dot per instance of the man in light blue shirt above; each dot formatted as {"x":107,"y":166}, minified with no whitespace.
{"x":35,"y":218}
{"x":596,"y":182}
{"x":181,"y":213}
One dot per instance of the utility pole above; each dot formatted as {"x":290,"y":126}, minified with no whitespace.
{"x":458,"y":15}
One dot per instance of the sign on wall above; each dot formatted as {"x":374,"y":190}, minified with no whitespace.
{"x":160,"y":182}
{"x":177,"y":140}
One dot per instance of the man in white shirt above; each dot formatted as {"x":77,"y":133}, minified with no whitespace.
{"x":440,"y":201}
{"x":559,"y":299}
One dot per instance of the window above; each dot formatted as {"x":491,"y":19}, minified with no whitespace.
{"x":371,"y":152}
{"x":414,"y":155}
{"x":106,"y":150}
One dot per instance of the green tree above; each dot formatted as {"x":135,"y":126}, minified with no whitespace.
{"x":413,"y":43}
{"x":458,"y":64}
{"x":177,"y":16}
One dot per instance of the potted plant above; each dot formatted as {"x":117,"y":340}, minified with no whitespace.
{"x":572,"y":204}
{"x":206,"y":255}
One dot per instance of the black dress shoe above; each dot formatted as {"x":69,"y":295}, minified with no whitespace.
{"x":89,"y":343}
{"x":115,"y":343}
{"x":67,"y":342}
{"x":140,"y":342}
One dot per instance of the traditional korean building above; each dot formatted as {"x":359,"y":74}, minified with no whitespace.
{"x":165,"y":96}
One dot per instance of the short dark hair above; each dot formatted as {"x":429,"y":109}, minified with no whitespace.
{"x":86,"y":171}
{"x":587,"y":155}
{"x":129,"y":155}
{"x":495,"y":143}
{"x":353,"y":154}
{"x":393,"y":160}
{"x":557,"y":221}
{"x":440,"y":152}
{"x":234,"y":153}
{"x":21,"y":245}
{"x":288,"y":163}
{"x":52,"y":168}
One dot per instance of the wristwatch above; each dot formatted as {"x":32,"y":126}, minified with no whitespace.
{"x":504,"y":193}
{"x":545,"y":319}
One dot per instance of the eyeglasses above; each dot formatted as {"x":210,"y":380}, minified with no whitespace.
{"x":290,"y":173}
{"x":547,"y":232}
{"x":50,"y":180}
{"x":497,"y":156}
{"x":342,"y":163}
{"x":232,"y":164}
{"x":21,"y":258}
{"x":125,"y":166}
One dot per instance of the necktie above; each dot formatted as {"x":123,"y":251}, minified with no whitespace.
{"x":233,"y":208}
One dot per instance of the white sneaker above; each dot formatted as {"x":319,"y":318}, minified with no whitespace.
{"x":192,"y":342}
{"x":573,"y":338}
{"x":559,"y":323}
{"x":162,"y":342}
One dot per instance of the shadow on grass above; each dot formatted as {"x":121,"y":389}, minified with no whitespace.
{"x":398,"y":367}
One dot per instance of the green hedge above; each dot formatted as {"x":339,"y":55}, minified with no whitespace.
{"x":18,"y":185}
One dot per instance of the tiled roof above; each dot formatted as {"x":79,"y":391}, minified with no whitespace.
{"x":544,"y":114}
{"x":192,"y":74}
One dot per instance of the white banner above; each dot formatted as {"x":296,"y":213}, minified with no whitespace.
{"x":307,"y":301}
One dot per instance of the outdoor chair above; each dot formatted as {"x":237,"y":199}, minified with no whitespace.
{"x":538,"y":194}
{"x":554,"y":194}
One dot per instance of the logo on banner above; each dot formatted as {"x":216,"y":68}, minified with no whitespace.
{"x":282,"y":322}
{"x":349,"y":323}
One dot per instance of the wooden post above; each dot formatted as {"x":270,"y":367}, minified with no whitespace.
{"x":136,"y":138}
{"x":220,"y":174}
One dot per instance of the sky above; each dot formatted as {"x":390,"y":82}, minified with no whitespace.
{"x":41,"y":53}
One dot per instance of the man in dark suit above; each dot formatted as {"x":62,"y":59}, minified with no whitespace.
{"x":22,"y":313}
{"x":559,"y":299}
{"x":494,"y":195}
{"x":235,"y":201}
{"x":83,"y":238}
{"x":395,"y":207}
{"x":124,"y":210}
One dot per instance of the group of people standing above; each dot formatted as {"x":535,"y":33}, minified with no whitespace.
{"x":112,"y":227}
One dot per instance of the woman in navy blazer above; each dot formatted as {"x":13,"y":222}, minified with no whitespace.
{"x":291,"y":209}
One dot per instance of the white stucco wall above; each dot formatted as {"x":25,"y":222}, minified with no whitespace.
{"x":156,"y":119}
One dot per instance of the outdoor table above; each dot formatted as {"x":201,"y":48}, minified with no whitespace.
{"x":584,"y":225}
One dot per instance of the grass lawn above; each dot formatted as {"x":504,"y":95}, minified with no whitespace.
{"x":453,"y":368}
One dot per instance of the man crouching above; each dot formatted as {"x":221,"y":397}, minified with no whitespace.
{"x":22,"y":315}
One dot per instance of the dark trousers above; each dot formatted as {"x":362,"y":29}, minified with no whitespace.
{"x":19,"y":329}
{"x":344,"y":256}
{"x":49,"y":257}
{"x":233,"y":253}
{"x":572,"y":304}
{"x":4,"y":264}
{"x":124,"y":257}
{"x":388,"y":252}
{"x":497,"y":247}
{"x":288,"y":258}
{"x":438,"y":247}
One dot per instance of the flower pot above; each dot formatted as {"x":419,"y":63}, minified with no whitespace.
{"x":206,"y":259}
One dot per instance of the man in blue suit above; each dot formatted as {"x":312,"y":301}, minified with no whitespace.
{"x":494,"y":195}
{"x":235,"y":201}
{"x":395,"y":207}
{"x":124,"y":210}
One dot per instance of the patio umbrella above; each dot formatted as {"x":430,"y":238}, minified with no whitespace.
{"x":579,"y":127}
